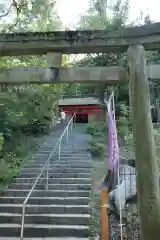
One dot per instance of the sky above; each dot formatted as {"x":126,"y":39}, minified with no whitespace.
{"x":70,"y":10}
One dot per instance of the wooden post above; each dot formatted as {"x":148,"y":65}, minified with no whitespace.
{"x":146,"y":162}
{"x":54,"y":61}
{"x":104,"y":214}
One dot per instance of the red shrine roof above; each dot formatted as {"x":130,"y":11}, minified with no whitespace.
{"x":78,"y":101}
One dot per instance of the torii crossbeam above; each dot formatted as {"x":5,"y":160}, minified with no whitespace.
{"x":69,"y":42}
{"x":109,"y":75}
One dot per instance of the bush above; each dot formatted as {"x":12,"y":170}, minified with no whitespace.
{"x":9,"y":167}
{"x":26,"y":110}
{"x":123,"y":128}
{"x":96,"y":129}
{"x":1,"y":142}
{"x":97,"y":145}
{"x":97,"y":149}
{"x":91,"y":129}
{"x":10,"y":162}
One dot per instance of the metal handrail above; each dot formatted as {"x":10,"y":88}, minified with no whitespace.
{"x":46,"y":165}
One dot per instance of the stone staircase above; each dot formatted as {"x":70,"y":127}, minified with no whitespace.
{"x":62,"y":211}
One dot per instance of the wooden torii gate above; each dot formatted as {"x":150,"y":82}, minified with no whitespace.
{"x":134,"y":41}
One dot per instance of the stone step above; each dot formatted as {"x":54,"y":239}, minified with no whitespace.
{"x":55,"y":158}
{"x":46,"y":200}
{"x":44,"y":151}
{"x":50,"y":193}
{"x":64,"y":154}
{"x":41,"y":230}
{"x":87,"y":156}
{"x":67,"y":151}
{"x":48,"y":238}
{"x":40,"y":155}
{"x":40,"y":158}
{"x":69,"y":160}
{"x":60,"y":164}
{"x":43,"y":218}
{"x":64,"y":146}
{"x":62,"y":157}
{"x":63,"y":169}
{"x":73,"y":155}
{"x":54,"y":180}
{"x":57,"y":175}
{"x":46,"y":209}
{"x":51,"y":186}
{"x":63,"y":161}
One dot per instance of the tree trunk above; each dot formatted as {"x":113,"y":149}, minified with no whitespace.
{"x":146,"y":162}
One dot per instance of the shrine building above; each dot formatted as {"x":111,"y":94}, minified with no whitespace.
{"x":87,"y":109}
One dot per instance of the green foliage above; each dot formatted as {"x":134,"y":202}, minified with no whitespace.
{"x":91,"y":129}
{"x":1,"y":142}
{"x":9,"y":166}
{"x":97,"y":149}
{"x":97,"y":146}
{"x":95,"y":129}
{"x":11,"y":161}
{"x":97,"y":15}
{"x":25,"y":109}
{"x":122,"y":127}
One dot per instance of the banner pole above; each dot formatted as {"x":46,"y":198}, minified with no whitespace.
{"x":104,"y":214}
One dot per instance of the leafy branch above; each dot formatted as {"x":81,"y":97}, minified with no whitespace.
{"x":18,"y":6}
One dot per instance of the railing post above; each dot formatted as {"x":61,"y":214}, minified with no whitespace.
{"x":47,"y":176}
{"x":67,"y":133}
{"x":59,"y":150}
{"x":22,"y":224}
{"x":71,"y":125}
{"x":72,"y":122}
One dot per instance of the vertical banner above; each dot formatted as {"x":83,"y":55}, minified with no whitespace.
{"x":113,"y":149}
{"x":113,"y":166}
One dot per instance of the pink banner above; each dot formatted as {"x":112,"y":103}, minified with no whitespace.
{"x":113,"y":148}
